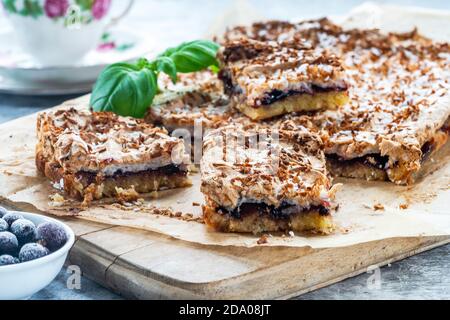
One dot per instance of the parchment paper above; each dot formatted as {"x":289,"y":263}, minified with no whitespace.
{"x":403,"y":211}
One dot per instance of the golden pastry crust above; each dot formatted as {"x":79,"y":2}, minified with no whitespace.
{"x":296,"y":103}
{"x":89,"y":154}
{"x":398,"y":90}
{"x":261,"y":75}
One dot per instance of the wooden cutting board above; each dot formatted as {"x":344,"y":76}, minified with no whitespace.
{"x":147,"y":265}
{"x":144,"y":265}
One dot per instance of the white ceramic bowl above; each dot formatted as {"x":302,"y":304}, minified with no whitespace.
{"x":20,"y":281}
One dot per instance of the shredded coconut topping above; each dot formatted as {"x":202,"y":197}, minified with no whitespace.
{"x":104,"y":142}
{"x":257,"y":68}
{"x":398,"y":89}
{"x":272,"y":167}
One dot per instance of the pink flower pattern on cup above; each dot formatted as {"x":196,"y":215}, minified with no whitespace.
{"x":56,"y":8}
{"x":100,"y":8}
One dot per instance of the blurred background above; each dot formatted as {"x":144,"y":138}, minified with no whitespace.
{"x":196,"y":16}
{"x":163,"y":23}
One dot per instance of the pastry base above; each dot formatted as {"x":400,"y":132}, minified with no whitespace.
{"x":306,"y":221}
{"x":296,"y":103}
{"x":90,"y":186}
{"x":356,"y":170}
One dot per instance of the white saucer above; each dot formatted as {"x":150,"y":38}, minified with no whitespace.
{"x":21,"y":75}
{"x":11,"y":86}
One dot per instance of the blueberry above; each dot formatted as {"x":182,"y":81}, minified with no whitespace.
{"x":11,"y":217}
{"x":8,"y":243}
{"x":3,"y":211}
{"x":7,"y":260}
{"x":3,"y":225}
{"x":32,"y":251}
{"x":51,"y":235}
{"x":24,"y":230}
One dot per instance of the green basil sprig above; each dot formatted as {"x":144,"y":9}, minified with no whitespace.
{"x":128,"y":89}
{"x":193,"y":56}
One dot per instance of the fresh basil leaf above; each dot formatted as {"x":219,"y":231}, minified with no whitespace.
{"x":129,"y":89}
{"x":168,"y":52}
{"x":125,"y":89}
{"x":166,"y":65}
{"x":214,"y":69}
{"x":193,"y":56}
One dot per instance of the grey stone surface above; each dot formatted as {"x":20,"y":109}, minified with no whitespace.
{"x":424,"y":276}
{"x":14,"y":106}
{"x":88,"y":290}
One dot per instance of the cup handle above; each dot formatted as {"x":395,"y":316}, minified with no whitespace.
{"x":116,"y":19}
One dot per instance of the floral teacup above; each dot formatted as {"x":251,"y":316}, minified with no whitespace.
{"x":59,"y":32}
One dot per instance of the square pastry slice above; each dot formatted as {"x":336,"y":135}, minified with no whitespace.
{"x":95,"y":155}
{"x":265,"y":181}
{"x":268,"y":79}
{"x":398,"y":115}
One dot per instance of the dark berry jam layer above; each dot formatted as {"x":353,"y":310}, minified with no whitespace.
{"x":277,"y":95}
{"x":372,"y":160}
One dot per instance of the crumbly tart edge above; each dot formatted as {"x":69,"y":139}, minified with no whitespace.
{"x":401,"y":176}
